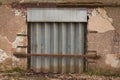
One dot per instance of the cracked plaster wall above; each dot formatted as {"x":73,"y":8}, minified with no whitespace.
{"x":106,"y":40}
{"x":13,"y":21}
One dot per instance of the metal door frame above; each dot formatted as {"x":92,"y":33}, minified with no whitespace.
{"x":29,"y":39}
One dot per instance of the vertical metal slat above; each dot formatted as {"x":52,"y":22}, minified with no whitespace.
{"x":47,"y":47}
{"x":76,"y":46}
{"x":51,"y":46}
{"x":59,"y":47}
{"x":68,"y":47}
{"x":42,"y":34}
{"x":72,"y":47}
{"x":55,"y":63}
{"x":38,"y":59}
{"x":33,"y":45}
{"x":81,"y":46}
{"x":63,"y":34}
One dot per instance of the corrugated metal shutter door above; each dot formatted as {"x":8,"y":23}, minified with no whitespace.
{"x":57,"y":38}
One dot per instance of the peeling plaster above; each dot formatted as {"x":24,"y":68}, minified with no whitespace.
{"x":112,"y":60}
{"x":18,"y":42}
{"x":104,"y":15}
{"x":5,"y":44}
{"x":21,"y":1}
{"x":99,"y":21}
{"x":92,"y":12}
{"x":3,"y":55}
{"x":15,"y":61}
{"x":12,"y":21}
{"x":18,"y":12}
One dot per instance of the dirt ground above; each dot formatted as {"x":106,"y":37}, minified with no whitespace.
{"x":41,"y":76}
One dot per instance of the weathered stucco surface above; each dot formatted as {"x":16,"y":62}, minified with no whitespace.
{"x":99,"y":21}
{"x":112,"y":60}
{"x":3,"y":55}
{"x":5,"y":43}
{"x":114,"y":13}
{"x":12,"y":22}
{"x":73,"y":1}
{"x":105,"y":42}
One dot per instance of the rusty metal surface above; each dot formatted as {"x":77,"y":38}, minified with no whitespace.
{"x":22,"y":46}
{"x":55,"y":55}
{"x":25,"y":35}
{"x":56,"y":15}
